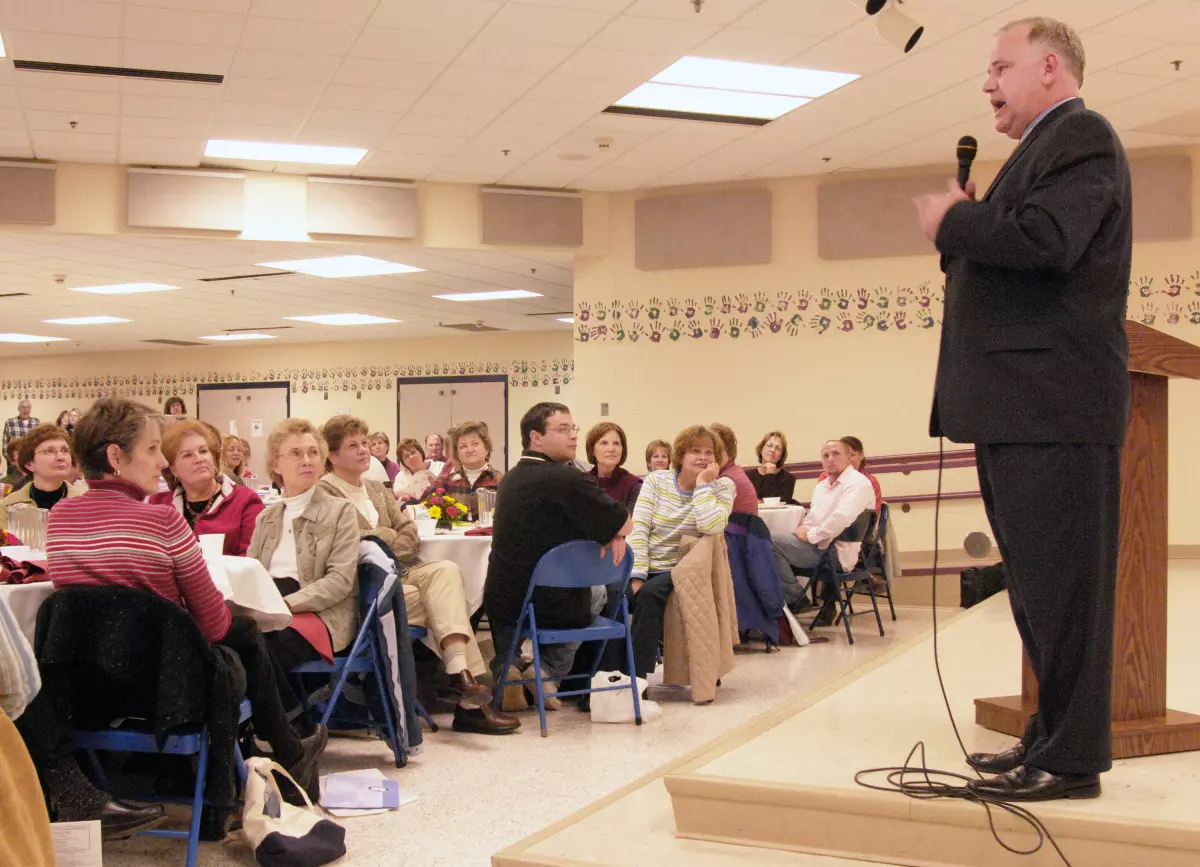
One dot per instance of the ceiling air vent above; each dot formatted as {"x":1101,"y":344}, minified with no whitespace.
{"x":472,"y":327}
{"x":165,"y":342}
{"x":117,"y":71}
{"x":247,"y":277}
{"x":14,"y":295}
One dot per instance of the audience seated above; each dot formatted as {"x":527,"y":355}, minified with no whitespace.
{"x":542,"y":503}
{"x":174,"y":406}
{"x":45,"y":455}
{"x":840,"y":497}
{"x":309,"y":544}
{"x":14,"y":478}
{"x":441,"y":603}
{"x":414,"y":476}
{"x":111,"y":536}
{"x":745,"y":500}
{"x":769,"y":478}
{"x":606,"y":449}
{"x":210,"y":502}
{"x":21,"y":424}
{"x":61,"y":421}
{"x":435,"y":452}
{"x":381,"y":450}
{"x":235,"y":453}
{"x":688,"y":500}
{"x":858,"y":460}
{"x":658,"y":456}
{"x":471,"y":449}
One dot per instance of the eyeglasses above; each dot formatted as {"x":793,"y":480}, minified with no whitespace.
{"x":313,"y":454}
{"x":51,"y":451}
{"x":565,"y":429}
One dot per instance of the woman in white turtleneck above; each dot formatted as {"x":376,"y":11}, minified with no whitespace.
{"x":309,"y":544}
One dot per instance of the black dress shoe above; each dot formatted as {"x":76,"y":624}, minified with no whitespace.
{"x":998,"y":763}
{"x":1028,"y":783}
{"x":484,"y":721}
{"x":119,"y":820}
{"x":313,"y":746}
{"x":468,"y":691}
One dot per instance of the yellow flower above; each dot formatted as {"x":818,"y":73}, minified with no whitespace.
{"x":435,"y":513}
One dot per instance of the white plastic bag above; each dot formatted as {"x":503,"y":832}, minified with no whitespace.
{"x":282,"y":835}
{"x":616,"y":706}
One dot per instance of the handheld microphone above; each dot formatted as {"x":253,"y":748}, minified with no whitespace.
{"x":967,"y":146}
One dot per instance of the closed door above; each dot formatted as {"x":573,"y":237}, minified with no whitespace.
{"x":250,"y":412}
{"x":425,"y":407}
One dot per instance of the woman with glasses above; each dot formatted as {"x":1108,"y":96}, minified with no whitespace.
{"x":309,"y":544}
{"x":46,"y":455}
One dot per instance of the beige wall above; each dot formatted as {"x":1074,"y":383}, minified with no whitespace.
{"x":867,"y":382}
{"x":529,"y":360}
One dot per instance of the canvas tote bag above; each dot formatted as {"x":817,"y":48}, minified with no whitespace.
{"x":280,"y":834}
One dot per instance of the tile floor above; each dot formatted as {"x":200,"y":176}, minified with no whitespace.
{"x":478,"y":794}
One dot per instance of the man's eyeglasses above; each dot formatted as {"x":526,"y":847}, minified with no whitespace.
{"x":565,"y":429}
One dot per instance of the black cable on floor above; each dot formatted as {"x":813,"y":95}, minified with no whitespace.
{"x":930,"y":783}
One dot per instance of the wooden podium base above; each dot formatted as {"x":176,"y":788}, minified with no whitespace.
{"x":1176,"y":732}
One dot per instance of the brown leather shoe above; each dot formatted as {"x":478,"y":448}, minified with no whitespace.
{"x":484,"y":721}
{"x":471,"y":693}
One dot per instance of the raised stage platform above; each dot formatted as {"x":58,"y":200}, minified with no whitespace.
{"x":784,"y":784}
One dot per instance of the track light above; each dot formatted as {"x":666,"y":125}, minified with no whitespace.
{"x":894,"y":26}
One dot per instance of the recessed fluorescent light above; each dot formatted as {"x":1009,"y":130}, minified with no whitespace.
{"x":273,"y":152}
{"x":342,"y":266}
{"x":2,"y":51}
{"x":242,"y":336}
{"x":87,"y":320}
{"x":489,"y":296}
{"x":343,"y":319}
{"x":27,"y":338}
{"x":716,"y":74}
{"x":705,"y":100}
{"x":123,"y":288}
{"x":570,"y":320}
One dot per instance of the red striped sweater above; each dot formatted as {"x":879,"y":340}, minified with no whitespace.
{"x":111,"y":536}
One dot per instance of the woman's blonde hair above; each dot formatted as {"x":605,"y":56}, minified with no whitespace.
{"x":289,"y":428}
{"x":689,"y":437}
{"x":467,"y":428}
{"x":227,"y":467}
{"x":173,"y":440}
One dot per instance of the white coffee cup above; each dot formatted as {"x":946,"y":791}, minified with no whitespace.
{"x":426,"y":527}
{"x":772,"y":501}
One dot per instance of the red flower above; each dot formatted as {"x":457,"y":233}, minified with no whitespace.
{"x":441,"y":490}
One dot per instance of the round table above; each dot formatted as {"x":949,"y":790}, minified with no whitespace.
{"x":470,"y":553}
{"x":782,"y":520}
{"x":24,"y":600}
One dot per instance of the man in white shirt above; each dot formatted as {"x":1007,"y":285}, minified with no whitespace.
{"x":435,"y":453}
{"x":837,"y":501}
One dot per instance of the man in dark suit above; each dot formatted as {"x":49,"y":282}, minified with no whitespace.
{"x":1032,"y":370}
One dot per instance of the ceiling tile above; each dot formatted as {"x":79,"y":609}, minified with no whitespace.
{"x":562,"y":175}
{"x":625,"y":66}
{"x":238,"y":131}
{"x":613,"y":6}
{"x":54,"y":99}
{"x":159,"y":151}
{"x":105,"y":156}
{"x":173,"y":25}
{"x":462,"y":79}
{"x":1107,"y":87}
{"x":62,"y":81}
{"x":421,"y":144}
{"x":368,"y":98}
{"x":513,"y":54}
{"x":133,"y":105}
{"x":60,"y":121}
{"x":415,"y":123}
{"x":261,"y":113}
{"x":342,"y":119}
{"x":234,"y":6}
{"x":413,"y":46}
{"x":281,"y":34}
{"x":754,"y":46}
{"x":535,"y":111}
{"x":1159,"y":63}
{"x":360,"y":71}
{"x":723,"y":12}
{"x":45,"y":139}
{"x":14,"y":118}
{"x":56,"y":48}
{"x":807,"y":19}
{"x":506,"y":133}
{"x":653,"y":35}
{"x":517,"y":20}
{"x":62,"y":16}
{"x":612,"y":179}
{"x":8,"y":97}
{"x":1105,"y":50}
{"x":241,"y":89}
{"x":455,"y":16}
{"x":1081,"y":14}
{"x":939,"y":27}
{"x":567,"y":88}
{"x":478,"y":105}
{"x":159,"y":127}
{"x":15,"y":144}
{"x":211,"y":59}
{"x":443,"y":176}
{"x":339,"y":137}
{"x":286,"y":66}
{"x":183,"y":90}
{"x":343,"y":12}
{"x":841,"y":55}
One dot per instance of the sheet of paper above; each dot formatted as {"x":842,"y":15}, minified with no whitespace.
{"x":406,"y":797}
{"x":233,"y":429}
{"x":76,"y":844}
{"x":256,"y":427}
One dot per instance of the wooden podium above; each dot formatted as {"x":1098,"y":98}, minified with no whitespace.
{"x":1142,"y":724}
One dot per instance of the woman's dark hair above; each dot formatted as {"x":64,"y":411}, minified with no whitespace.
{"x":778,"y":434}
{"x":855,"y":445}
{"x":535,"y":419}
{"x":335,"y":431}
{"x":597,"y":432}
{"x":174,"y":401}
{"x":62,"y":418}
{"x":406,"y":444}
{"x":728,"y":439}
{"x":110,"y":421}
{"x":34,"y":440}
{"x":654,"y":446}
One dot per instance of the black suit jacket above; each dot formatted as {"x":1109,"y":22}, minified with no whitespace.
{"x":1033,"y":343}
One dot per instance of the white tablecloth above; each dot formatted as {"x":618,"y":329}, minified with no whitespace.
{"x":470,"y":553}
{"x":783,"y":520}
{"x":241,"y":580}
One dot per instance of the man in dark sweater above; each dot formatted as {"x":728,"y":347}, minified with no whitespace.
{"x":543,"y":502}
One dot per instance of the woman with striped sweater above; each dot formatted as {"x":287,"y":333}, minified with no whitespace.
{"x":687,"y":500}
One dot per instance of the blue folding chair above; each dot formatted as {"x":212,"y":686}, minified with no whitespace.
{"x":364,"y":657}
{"x":829,"y":572}
{"x":194,"y":744}
{"x":575,"y":564}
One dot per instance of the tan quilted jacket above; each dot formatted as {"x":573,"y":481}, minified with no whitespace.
{"x":701,"y":621}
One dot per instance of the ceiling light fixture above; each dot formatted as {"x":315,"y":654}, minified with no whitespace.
{"x":896,"y":28}
{"x":342,"y":266}
{"x":503,"y":295}
{"x":27,"y":338}
{"x":570,"y":320}
{"x":123,"y":288}
{"x":3,"y":53}
{"x":252,"y":335}
{"x":343,"y":319}
{"x":752,"y":77}
{"x":87,"y":320}
{"x":275,"y":152}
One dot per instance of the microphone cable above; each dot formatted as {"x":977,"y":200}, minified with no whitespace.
{"x":919,"y":781}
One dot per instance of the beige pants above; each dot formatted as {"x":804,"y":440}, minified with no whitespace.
{"x":24,"y":825}
{"x":434,"y":597}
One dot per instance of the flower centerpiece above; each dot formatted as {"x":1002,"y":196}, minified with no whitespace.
{"x":446,"y":510}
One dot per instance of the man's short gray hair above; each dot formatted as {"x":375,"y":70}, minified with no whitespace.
{"x":1055,"y":35}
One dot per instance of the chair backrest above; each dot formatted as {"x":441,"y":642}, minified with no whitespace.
{"x":579,"y":564}
{"x":860,"y":529}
